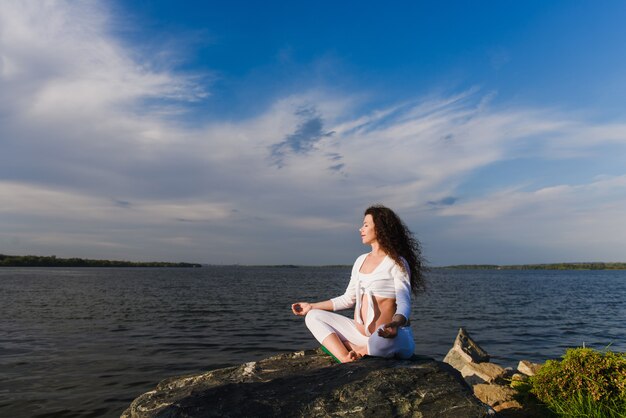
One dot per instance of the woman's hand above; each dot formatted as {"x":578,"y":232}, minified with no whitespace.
{"x":389,"y":330}
{"x":301,"y":308}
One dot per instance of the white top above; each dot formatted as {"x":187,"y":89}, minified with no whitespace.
{"x":388,"y":280}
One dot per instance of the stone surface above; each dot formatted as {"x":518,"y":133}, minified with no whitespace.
{"x":455,"y":359}
{"x":485,"y":372}
{"x":495,"y":386}
{"x":528,"y":368}
{"x":519,"y":381}
{"x":309,"y":383}
{"x":496,"y":396}
{"x":505,"y":406}
{"x":469,"y":349}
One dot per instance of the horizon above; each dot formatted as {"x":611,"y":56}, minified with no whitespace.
{"x":313,"y":265}
{"x":257,"y":134}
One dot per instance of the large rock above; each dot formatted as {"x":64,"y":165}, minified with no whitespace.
{"x":469,"y":349}
{"x":488,"y":380}
{"x":309,"y":383}
{"x":499,"y":397}
{"x":455,"y":359}
{"x":472,"y":361}
{"x":483,"y":372}
{"x":528,"y":368}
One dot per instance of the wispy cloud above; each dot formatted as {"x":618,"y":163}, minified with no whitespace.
{"x":93,"y":150}
{"x":61,"y":57}
{"x":446,"y":201}
{"x":307,"y":134}
{"x":564,"y":222}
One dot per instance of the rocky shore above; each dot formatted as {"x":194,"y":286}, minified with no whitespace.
{"x":310,"y":384}
{"x":491,"y":383}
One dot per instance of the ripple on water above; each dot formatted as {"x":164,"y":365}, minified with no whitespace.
{"x":85,"y":342}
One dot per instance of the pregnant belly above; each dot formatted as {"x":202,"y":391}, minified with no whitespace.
{"x":384,"y":308}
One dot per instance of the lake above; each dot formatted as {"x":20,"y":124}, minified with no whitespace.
{"x":84,"y":342}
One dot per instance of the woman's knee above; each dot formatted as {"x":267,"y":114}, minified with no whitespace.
{"x":380,"y":347}
{"x":402,"y":346}
{"x":312,"y":317}
{"x":316,"y":322}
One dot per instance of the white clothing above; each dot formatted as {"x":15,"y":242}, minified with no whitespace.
{"x":323,"y":323}
{"x":387,"y":280}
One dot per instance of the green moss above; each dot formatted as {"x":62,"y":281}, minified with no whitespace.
{"x":585,"y":382}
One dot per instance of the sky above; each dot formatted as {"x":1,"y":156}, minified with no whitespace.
{"x":248,"y":132}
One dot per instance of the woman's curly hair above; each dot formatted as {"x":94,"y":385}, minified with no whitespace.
{"x":395,"y":238}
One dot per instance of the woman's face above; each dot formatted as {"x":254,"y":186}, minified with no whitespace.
{"x":368,"y":233}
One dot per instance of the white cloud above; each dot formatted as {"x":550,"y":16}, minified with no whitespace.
{"x":92,"y":151}
{"x":44,"y":202}
{"x":559,"y":223}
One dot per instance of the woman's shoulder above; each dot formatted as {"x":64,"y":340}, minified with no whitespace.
{"x":404,"y":268}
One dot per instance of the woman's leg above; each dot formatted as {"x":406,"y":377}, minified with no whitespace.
{"x":342,"y":351}
{"x":402,"y":346}
{"x":333,"y":331}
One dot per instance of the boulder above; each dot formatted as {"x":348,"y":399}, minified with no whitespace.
{"x":503,"y":390}
{"x":465,"y":351}
{"x":497,"y":396}
{"x":519,"y":381}
{"x":469,"y":349}
{"x":508,"y":406}
{"x":309,"y":383}
{"x":455,"y":359}
{"x":485,"y":372}
{"x":528,"y":368}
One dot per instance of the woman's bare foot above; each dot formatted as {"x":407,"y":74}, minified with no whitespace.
{"x":361,"y":350}
{"x":351,"y":356}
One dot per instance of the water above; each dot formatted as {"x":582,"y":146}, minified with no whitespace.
{"x":86,"y":342}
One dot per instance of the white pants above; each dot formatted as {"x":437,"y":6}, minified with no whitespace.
{"x":323,"y":323}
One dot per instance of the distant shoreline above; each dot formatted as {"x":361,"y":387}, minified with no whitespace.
{"x":553,"y":266}
{"x":53,"y":261}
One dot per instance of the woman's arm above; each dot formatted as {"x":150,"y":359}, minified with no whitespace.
{"x":302,"y":308}
{"x":345,"y":301}
{"x":402,"y":285}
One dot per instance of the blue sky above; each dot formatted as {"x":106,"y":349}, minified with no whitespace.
{"x":258,"y":132}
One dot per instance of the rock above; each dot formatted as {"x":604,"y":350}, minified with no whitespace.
{"x":472,"y":361}
{"x":496,"y":396}
{"x":528,"y":368}
{"x":454,"y":359}
{"x":310,"y":384}
{"x":469,"y":349}
{"x":486,"y":372}
{"x":519,"y":382}
{"x":492,"y":384}
{"x":507,"y":405}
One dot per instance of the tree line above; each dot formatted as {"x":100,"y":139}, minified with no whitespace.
{"x":53,"y":261}
{"x":553,"y":266}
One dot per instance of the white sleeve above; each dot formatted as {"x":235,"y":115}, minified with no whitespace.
{"x":402,"y":283}
{"x":348,"y":299}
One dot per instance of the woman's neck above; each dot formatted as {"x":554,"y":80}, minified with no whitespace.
{"x":377,"y":251}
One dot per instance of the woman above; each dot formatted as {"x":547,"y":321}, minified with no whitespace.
{"x":380,"y":286}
